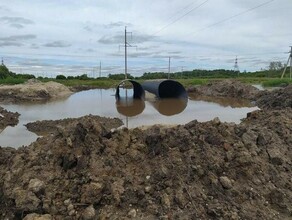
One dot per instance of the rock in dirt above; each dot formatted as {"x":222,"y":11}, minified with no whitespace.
{"x":8,"y":118}
{"x":226,"y":182}
{"x":209,"y":170}
{"x":35,"y":216}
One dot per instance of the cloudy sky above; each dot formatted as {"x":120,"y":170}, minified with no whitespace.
{"x":72,"y":37}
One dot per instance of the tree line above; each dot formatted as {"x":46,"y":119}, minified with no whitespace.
{"x":274,"y":70}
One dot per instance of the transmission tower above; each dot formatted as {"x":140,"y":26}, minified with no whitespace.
{"x":126,"y":45}
{"x":236,"y":69}
{"x":289,"y":60}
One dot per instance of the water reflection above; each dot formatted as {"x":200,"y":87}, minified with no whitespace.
{"x":170,"y":106}
{"x":129,"y":106}
{"x":102,"y":102}
{"x":223,"y":101}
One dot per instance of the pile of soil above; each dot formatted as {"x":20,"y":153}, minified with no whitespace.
{"x":33,"y":91}
{"x":8,"y":118}
{"x":276,"y":99}
{"x":210,"y":170}
{"x":46,"y":127}
{"x":226,"y":88}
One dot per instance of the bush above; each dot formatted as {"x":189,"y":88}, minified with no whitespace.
{"x":61,"y":77}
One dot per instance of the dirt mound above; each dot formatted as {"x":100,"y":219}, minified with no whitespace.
{"x":33,"y":91}
{"x":208,"y":170}
{"x":50,"y":126}
{"x":226,"y":88}
{"x":276,"y":99}
{"x":7,"y":118}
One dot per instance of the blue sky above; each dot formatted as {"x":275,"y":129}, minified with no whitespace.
{"x":73,"y":37}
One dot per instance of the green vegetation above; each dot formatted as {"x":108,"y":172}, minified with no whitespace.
{"x":12,"y":81}
{"x":269,"y":77}
{"x":120,"y":76}
{"x":9,"y":78}
{"x":97,"y":83}
{"x":276,"y":82}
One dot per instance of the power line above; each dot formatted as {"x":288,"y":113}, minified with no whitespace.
{"x":233,"y":16}
{"x":179,"y":18}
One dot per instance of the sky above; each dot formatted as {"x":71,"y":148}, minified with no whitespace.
{"x":70,"y":37}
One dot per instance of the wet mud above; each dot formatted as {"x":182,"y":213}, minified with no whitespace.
{"x":85,"y":169}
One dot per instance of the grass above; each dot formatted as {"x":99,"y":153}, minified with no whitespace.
{"x":110,"y":83}
{"x":277,"y":82}
{"x":97,"y":83}
{"x":193,"y":82}
{"x":11,"y":81}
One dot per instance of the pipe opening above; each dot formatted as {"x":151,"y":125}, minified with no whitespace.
{"x":130,"y":89}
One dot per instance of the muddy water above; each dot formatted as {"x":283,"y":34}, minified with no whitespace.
{"x":133,"y":113}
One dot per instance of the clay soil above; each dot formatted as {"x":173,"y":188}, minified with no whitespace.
{"x":85,"y":169}
{"x":7,"y":118}
{"x":33,"y":91}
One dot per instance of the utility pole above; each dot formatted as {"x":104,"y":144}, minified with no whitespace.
{"x":168,"y":67}
{"x":99,"y":69}
{"x":126,"y":46}
{"x":289,"y":59}
{"x":182,"y":71}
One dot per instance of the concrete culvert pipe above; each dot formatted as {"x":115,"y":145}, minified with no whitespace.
{"x":138,"y":91}
{"x":165,"y":89}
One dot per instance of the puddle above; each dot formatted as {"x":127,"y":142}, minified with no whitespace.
{"x":133,"y":113}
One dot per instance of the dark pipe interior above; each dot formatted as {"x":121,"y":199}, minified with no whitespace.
{"x":138,"y":93}
{"x":171,"y":89}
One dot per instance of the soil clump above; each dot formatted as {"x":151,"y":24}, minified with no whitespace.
{"x":8,"y":118}
{"x":46,"y":127}
{"x":276,"y":99}
{"x":226,"y":88}
{"x":210,"y":170}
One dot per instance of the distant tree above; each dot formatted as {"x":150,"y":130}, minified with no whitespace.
{"x":120,"y":76}
{"x":83,"y":77}
{"x":61,"y":77}
{"x":24,"y":76}
{"x":70,"y":77}
{"x":275,"y":65}
{"x":4,"y":72}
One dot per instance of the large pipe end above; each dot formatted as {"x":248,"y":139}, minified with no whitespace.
{"x":171,"y":89}
{"x":138,"y":91}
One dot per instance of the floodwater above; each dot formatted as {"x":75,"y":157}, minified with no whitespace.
{"x":134,"y":113}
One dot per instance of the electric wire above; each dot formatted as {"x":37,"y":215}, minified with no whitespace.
{"x":233,"y":16}
{"x":179,"y":18}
